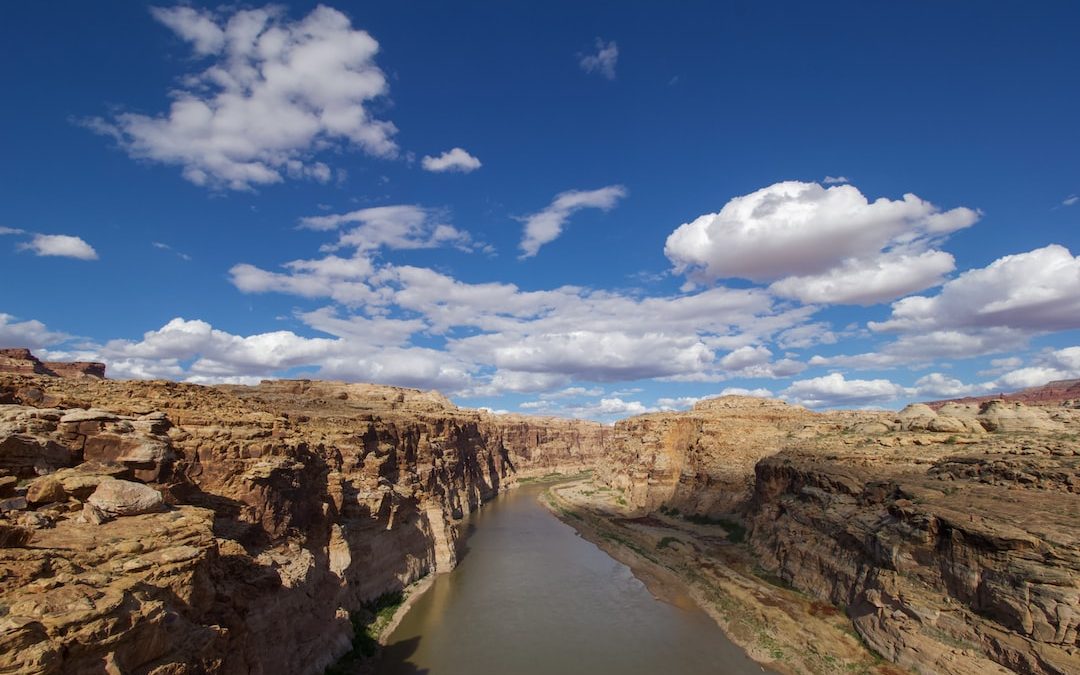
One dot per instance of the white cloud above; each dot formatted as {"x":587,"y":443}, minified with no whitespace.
{"x":195,"y":351}
{"x":603,"y":61}
{"x":744,"y":357}
{"x":835,"y":180}
{"x":1034,"y":291}
{"x":806,"y":335}
{"x":589,"y":355}
{"x":165,"y":247}
{"x":1062,"y":364}
{"x":925,"y":348}
{"x":817,"y":244}
{"x":456,"y":159}
{"x":677,"y":403}
{"x":541,"y":340}
{"x":867,"y":282}
{"x":60,"y":245}
{"x":760,"y":392}
{"x":572,"y":392}
{"x":276,"y":92}
{"x":835,"y":390}
{"x":11,"y":230}
{"x":938,"y":385}
{"x":31,"y":334}
{"x":1070,"y":200}
{"x":404,"y":226}
{"x":545,"y":226}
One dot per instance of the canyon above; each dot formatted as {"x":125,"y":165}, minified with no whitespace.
{"x":163,"y":527}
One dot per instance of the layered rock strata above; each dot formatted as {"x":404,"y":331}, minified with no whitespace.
{"x":157,"y":527}
{"x":950,"y":537}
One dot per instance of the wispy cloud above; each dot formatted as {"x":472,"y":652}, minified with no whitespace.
{"x":165,"y":247}
{"x":544,"y":227}
{"x":603,"y":61}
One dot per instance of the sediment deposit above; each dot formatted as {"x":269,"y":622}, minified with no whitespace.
{"x":158,"y":527}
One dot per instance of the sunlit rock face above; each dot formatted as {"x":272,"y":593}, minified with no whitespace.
{"x":282,"y":507}
{"x":948,"y":533}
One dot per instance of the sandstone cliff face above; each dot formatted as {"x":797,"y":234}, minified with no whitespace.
{"x":949,"y":536}
{"x":21,"y":361}
{"x":702,"y":461}
{"x":944,"y":559}
{"x":290,"y":504}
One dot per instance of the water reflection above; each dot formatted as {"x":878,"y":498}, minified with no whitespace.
{"x":532,"y":597}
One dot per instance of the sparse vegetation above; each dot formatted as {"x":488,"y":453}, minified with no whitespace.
{"x":367,"y":624}
{"x":665,"y":542}
{"x":736,"y":533}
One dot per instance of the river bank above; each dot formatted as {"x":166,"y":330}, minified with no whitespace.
{"x":778,"y":627}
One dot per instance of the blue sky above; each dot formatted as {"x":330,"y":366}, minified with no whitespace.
{"x":590,"y":209}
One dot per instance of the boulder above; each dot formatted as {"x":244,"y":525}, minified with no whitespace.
{"x":81,"y":481}
{"x":116,"y":498}
{"x":46,"y":490}
{"x":7,"y":486}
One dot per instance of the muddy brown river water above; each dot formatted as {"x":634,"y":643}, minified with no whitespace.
{"x":532,"y":597}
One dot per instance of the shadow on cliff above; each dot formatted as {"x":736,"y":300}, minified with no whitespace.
{"x":395,"y":659}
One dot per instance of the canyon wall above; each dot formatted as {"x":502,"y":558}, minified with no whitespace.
{"x":272,"y":511}
{"x":950,"y":537}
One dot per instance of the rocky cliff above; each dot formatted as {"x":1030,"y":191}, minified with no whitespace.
{"x":948,"y":536}
{"x":157,"y":527}
{"x":22,"y":361}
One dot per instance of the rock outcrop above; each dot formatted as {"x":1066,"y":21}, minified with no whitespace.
{"x":159,"y":527}
{"x":22,"y":361}
{"x":702,"y":461}
{"x":949,"y":535}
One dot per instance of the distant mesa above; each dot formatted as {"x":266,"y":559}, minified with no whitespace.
{"x":22,"y":361}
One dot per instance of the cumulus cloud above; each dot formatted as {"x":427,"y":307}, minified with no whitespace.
{"x":938,"y":385}
{"x":820,"y":245}
{"x":834,"y":390}
{"x":541,"y":340}
{"x":545,"y":226}
{"x":603,"y":61}
{"x":31,"y":334}
{"x":195,"y":351}
{"x":60,"y":245}
{"x":456,"y":159}
{"x":276,"y":92}
{"x":11,"y":230}
{"x":1034,"y":291}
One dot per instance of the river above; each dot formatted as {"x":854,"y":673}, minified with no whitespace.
{"x":530,"y":596}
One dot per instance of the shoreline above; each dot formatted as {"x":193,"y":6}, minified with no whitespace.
{"x":779,"y":628}
{"x":414,"y":591}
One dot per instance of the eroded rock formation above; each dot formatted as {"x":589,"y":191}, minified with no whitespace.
{"x":157,"y":527}
{"x":950,"y":536}
{"x":22,"y":361}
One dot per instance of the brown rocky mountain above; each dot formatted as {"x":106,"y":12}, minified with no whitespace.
{"x":156,"y":527}
{"x":159,"y":527}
